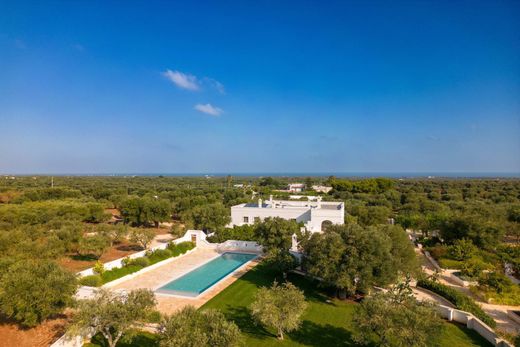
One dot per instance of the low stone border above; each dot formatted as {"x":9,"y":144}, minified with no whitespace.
{"x":457,"y":280}
{"x":145,"y":269}
{"x":432,"y":261}
{"x":472,"y":322}
{"x":514,"y":316}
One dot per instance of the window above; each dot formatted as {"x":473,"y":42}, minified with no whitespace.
{"x":246,"y":219}
{"x":257,"y":219}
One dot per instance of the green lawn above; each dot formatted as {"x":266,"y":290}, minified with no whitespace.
{"x":327,"y":322}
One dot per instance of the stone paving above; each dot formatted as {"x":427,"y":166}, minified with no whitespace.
{"x":157,"y":277}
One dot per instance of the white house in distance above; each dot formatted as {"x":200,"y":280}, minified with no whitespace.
{"x":314,"y":214}
{"x":295,"y":187}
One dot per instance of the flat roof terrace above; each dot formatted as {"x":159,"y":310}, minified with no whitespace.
{"x":328,"y":205}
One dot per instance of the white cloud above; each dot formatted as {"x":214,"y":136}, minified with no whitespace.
{"x":209,"y":109}
{"x":215,"y":84}
{"x":182,"y":80}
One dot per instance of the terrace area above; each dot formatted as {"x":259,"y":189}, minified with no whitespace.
{"x":176,"y":268}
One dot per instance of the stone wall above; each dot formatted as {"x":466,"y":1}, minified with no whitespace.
{"x":474,"y":323}
{"x":119,"y":262}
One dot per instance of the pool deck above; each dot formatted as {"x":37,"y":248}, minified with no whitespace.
{"x":176,"y":268}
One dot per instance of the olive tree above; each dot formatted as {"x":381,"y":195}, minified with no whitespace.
{"x":279,"y":307}
{"x":192,"y":328}
{"x":396,"y":319}
{"x":31,"y":291}
{"x":112,"y":314}
{"x":352,"y":258}
{"x":94,"y":245}
{"x":143,"y":237}
{"x":275,"y":236}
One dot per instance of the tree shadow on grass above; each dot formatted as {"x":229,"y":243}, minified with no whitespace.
{"x":242,"y":318}
{"x":140,"y":340}
{"x":313,"y":334}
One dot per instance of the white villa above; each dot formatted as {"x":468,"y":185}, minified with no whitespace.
{"x":296,"y":187}
{"x":314,"y":214}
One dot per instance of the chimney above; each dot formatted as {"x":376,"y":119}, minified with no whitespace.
{"x":319,"y":202}
{"x":259,"y":203}
{"x":271,"y":198}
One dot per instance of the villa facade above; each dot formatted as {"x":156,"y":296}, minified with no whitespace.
{"x":315,"y":215}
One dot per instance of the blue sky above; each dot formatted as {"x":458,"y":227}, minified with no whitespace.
{"x":266,"y":86}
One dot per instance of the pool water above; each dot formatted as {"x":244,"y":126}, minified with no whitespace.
{"x":198,"y":280}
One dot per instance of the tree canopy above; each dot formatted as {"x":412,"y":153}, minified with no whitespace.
{"x":31,"y":291}
{"x":352,"y":258}
{"x":112,"y":314}
{"x":192,"y":328}
{"x":396,"y":319}
{"x":279,"y":307}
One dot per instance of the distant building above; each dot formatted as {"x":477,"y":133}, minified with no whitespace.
{"x":296,"y":187}
{"x":315,"y":215}
{"x":322,"y":189}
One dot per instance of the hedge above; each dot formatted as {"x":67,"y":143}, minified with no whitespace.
{"x":450,"y":264}
{"x":460,"y":300}
{"x":133,"y":265}
{"x":91,"y":281}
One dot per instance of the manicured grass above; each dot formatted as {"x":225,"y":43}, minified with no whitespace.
{"x":142,"y":339}
{"x":326,"y":322}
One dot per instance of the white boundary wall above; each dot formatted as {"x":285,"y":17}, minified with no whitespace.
{"x":243,"y":246}
{"x":472,"y":322}
{"x":119,"y":262}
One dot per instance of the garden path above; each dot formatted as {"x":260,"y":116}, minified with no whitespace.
{"x":498,"y":312}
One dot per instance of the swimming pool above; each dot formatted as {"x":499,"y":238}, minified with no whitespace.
{"x":198,"y":280}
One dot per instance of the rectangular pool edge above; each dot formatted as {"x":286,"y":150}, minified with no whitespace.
{"x":187,"y":294}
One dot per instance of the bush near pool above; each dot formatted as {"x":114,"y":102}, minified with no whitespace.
{"x":133,"y":265}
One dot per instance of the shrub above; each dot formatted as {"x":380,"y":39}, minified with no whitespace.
{"x":91,"y":281}
{"x":159,"y":254}
{"x":119,"y":272}
{"x":141,"y":262}
{"x":473,"y":267}
{"x":511,"y":296}
{"x":462,"y":250}
{"x":461,"y":301}
{"x":180,"y":248}
{"x":154,"y":317}
{"x":438,"y":252}
{"x":99,"y":268}
{"x":450,"y":264}
{"x":126,"y":261}
{"x":133,"y":265}
{"x":496,"y":281}
{"x":429,"y":241}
